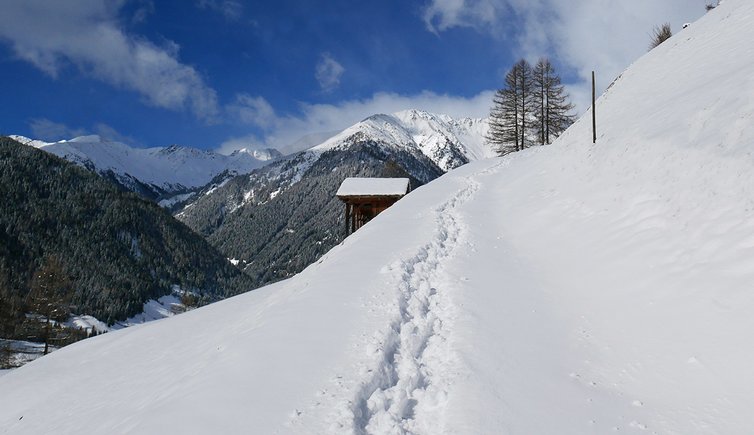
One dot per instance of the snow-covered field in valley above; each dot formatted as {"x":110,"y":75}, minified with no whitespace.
{"x":570,"y":289}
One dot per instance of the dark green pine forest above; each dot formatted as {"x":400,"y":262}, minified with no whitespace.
{"x":116,"y":248}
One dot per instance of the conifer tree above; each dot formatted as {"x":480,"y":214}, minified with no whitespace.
{"x":552,"y":107}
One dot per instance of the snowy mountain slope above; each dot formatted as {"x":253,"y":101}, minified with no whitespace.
{"x":163,"y":169}
{"x":306,"y":142}
{"x":569,"y":289}
{"x":449,"y":143}
{"x":435,"y":134}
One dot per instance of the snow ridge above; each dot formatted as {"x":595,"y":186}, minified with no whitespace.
{"x":407,"y":391}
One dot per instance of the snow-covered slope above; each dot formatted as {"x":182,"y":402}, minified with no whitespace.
{"x":168,"y":169}
{"x":569,"y":289}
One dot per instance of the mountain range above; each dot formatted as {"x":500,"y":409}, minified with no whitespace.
{"x":157,"y":173}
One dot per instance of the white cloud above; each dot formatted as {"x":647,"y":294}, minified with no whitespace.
{"x":86,"y":34}
{"x":328,"y":72}
{"x":109,"y":133}
{"x":317,"y":118}
{"x":50,"y":131}
{"x":600,"y":35}
{"x":230,"y":9}
{"x":143,"y":11}
{"x":441,"y":15}
{"x":253,"y":110}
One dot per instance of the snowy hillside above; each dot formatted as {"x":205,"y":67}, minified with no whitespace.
{"x":168,"y":169}
{"x":568,"y":289}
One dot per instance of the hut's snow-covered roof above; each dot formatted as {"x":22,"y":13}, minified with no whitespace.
{"x":354,"y":186}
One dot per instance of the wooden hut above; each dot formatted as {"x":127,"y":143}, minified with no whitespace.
{"x":365,"y":198}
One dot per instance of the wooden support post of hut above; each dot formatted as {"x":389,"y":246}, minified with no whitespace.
{"x":365,"y":198}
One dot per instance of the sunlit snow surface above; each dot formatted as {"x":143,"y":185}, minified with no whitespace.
{"x":571,"y":289}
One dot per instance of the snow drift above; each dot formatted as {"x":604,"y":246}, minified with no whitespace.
{"x":575,"y":288}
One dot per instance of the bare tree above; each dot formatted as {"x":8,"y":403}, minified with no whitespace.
{"x":511,"y":110}
{"x":660,"y":34}
{"x":501,"y":135}
{"x":552,"y":113}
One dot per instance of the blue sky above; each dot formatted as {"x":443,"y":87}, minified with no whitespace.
{"x":222,"y":74}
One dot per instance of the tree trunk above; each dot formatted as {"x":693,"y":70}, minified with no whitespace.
{"x":47,"y":336}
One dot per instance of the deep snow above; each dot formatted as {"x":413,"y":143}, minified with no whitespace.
{"x":569,"y":289}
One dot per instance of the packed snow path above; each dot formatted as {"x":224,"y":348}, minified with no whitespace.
{"x":415,"y":358}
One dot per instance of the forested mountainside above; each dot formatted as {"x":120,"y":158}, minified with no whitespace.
{"x":275,"y":225}
{"x":118,"y":249}
{"x":281,"y":218}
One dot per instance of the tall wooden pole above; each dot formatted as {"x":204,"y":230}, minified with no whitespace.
{"x":594,"y":114}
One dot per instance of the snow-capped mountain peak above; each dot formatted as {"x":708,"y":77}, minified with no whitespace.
{"x":447,"y":142}
{"x":264,"y":154}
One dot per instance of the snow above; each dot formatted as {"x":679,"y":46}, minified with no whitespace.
{"x":163,"y":307}
{"x":173,"y":200}
{"x":87,"y":322}
{"x":434,"y":132}
{"x":575,"y":288}
{"x":439,"y":137}
{"x":154,"y":309}
{"x":170,"y":168}
{"x":306,"y":142}
{"x":356,"y":186}
{"x":22,"y":352}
